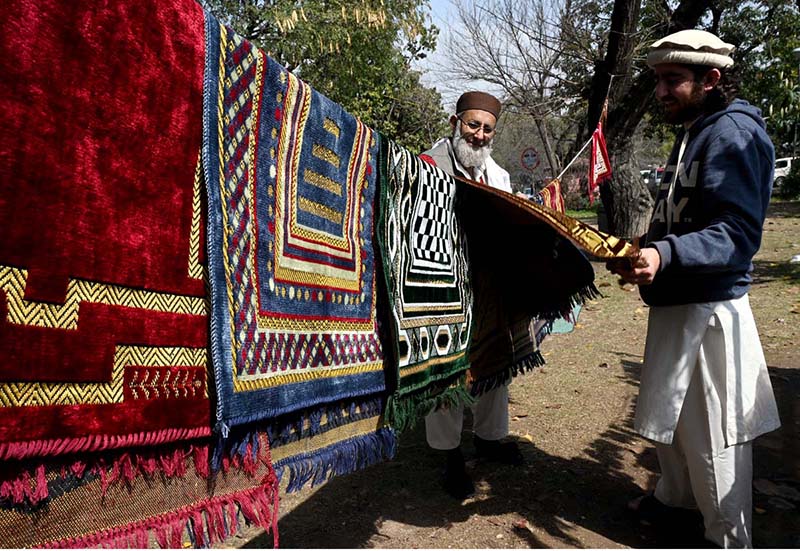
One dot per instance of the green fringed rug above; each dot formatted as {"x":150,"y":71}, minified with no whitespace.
{"x":430,"y":298}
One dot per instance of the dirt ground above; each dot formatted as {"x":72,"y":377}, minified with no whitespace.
{"x":572,"y":420}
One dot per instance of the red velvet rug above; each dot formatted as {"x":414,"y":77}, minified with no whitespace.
{"x":103,"y":313}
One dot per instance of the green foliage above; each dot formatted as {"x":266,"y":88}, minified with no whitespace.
{"x":590,"y":212}
{"x":356,"y":53}
{"x":765,"y":33}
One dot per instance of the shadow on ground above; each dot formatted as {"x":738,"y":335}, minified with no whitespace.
{"x":784,"y":209}
{"x":400,"y":503}
{"x":767,"y":271}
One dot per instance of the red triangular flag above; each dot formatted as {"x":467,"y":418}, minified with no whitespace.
{"x":599,"y":165}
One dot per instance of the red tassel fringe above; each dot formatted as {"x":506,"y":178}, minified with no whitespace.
{"x":257,"y":505}
{"x":24,"y":486}
{"x":50,"y":448}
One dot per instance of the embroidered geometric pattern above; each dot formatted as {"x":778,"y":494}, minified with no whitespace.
{"x":430,"y":231}
{"x":147,"y":381}
{"x":195,"y":268}
{"x":66,"y":316}
{"x":430,"y":295}
{"x":291,"y":183}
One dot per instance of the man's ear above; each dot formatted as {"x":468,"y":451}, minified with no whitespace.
{"x":453,"y":121}
{"x":711,"y":79}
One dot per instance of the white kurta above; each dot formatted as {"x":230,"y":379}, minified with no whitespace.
{"x":736,"y":384}
{"x":490,"y":414}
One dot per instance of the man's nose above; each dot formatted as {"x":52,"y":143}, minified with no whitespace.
{"x":661,"y":91}
{"x":480,"y":134}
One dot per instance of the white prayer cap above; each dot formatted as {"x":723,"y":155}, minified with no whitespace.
{"x":691,"y":47}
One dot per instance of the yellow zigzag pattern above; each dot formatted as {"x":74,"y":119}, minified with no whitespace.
{"x":57,"y":316}
{"x":67,"y":394}
{"x":195,"y":268}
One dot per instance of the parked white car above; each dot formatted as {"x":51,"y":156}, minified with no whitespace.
{"x":782,"y":168}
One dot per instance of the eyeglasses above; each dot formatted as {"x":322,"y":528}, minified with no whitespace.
{"x":474,"y":126}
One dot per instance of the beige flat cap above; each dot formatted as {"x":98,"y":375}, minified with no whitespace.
{"x":691,"y":47}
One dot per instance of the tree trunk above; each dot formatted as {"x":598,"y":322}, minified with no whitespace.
{"x":625,"y":198}
{"x":627,"y":188}
{"x":544,"y":135}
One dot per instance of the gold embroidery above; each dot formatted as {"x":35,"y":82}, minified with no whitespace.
{"x":195,"y":268}
{"x":322,"y":182}
{"x":65,"y":316}
{"x":325,"y":154}
{"x":320,"y":210}
{"x":416,"y":368}
{"x":263,"y":381}
{"x":60,"y":394}
{"x":331,"y":126}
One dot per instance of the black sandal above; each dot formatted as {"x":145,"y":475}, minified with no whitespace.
{"x":649,"y":509}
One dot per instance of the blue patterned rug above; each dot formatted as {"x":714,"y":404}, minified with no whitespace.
{"x":291,"y":190}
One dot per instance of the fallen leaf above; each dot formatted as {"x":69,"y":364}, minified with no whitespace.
{"x":604,"y":364}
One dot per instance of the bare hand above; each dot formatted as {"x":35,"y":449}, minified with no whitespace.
{"x":638,"y":270}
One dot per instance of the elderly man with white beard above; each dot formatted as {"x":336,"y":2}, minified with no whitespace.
{"x":467,"y":153}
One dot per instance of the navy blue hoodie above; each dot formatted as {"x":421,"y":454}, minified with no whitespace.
{"x":722,"y":190}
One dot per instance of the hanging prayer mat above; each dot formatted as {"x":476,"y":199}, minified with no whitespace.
{"x":550,"y":196}
{"x":103,"y":313}
{"x":427,"y":279}
{"x":173,"y":507}
{"x":517,"y":211}
{"x":526,"y":272}
{"x":291,"y":186}
{"x":338,"y":439}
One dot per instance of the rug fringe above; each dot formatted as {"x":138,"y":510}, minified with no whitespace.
{"x":403,"y":411}
{"x":288,"y":428}
{"x":59,"y":446}
{"x":525,"y":365}
{"x":342,"y":458}
{"x":589,"y":292}
{"x":28,"y":486}
{"x":205,"y":524}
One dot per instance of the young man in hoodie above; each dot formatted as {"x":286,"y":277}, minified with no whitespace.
{"x":705,"y":393}
{"x":467,"y":153}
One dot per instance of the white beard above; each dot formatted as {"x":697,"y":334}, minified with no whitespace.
{"x":468,"y":156}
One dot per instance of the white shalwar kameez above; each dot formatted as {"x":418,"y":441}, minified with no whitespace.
{"x":490,"y":413}
{"x":704,"y":396}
